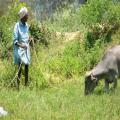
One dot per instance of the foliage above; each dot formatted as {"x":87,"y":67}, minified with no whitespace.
{"x":6,"y":46}
{"x":40,"y":33}
{"x":37,"y":78}
{"x":64,"y":20}
{"x":75,"y":60}
{"x":94,"y":18}
{"x":98,"y":18}
{"x":70,"y":62}
{"x":7,"y":74}
{"x":6,"y":28}
{"x":98,"y":23}
{"x":99,"y":12}
{"x":65,"y":101}
{"x":101,"y":18}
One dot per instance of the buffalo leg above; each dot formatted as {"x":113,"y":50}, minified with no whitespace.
{"x":115,"y":83}
{"x":106,"y":88}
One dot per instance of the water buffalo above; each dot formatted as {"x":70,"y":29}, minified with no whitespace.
{"x":108,"y":69}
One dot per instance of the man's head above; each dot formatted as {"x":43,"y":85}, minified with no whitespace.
{"x":90,"y":83}
{"x":23,"y":14}
{"x":25,"y":18}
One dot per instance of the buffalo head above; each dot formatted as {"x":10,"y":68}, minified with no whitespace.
{"x":90,"y":83}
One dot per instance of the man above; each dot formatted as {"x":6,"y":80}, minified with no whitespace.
{"x":21,"y":44}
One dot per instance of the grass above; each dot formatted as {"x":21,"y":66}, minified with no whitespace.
{"x":62,"y":101}
{"x":66,"y":101}
{"x":63,"y":98}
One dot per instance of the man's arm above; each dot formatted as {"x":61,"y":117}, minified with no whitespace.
{"x":21,"y":45}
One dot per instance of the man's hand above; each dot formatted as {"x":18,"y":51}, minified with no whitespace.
{"x":31,"y":38}
{"x":21,"y":45}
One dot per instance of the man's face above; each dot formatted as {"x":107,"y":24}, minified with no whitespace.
{"x":25,"y":18}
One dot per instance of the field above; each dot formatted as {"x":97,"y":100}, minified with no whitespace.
{"x":63,"y":102}
{"x":65,"y":47}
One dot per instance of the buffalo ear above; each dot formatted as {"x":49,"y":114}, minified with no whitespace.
{"x":88,"y":75}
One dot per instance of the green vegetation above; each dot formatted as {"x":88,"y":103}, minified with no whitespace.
{"x":63,"y":102}
{"x":56,"y":87}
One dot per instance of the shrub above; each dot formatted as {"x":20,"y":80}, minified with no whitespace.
{"x":6,"y":28}
{"x":101,"y":18}
{"x":75,"y":60}
{"x":41,"y":33}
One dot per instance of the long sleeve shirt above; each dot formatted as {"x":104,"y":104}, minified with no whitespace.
{"x":21,"y":35}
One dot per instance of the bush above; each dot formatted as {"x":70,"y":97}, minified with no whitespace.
{"x":101,"y":18}
{"x":6,"y":28}
{"x":40,"y":33}
{"x":75,"y":60}
{"x":99,"y":12}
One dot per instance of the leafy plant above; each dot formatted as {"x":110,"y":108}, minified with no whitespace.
{"x":6,"y":28}
{"x":40,"y":33}
{"x":101,"y":18}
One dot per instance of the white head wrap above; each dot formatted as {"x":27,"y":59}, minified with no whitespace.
{"x":23,"y":11}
